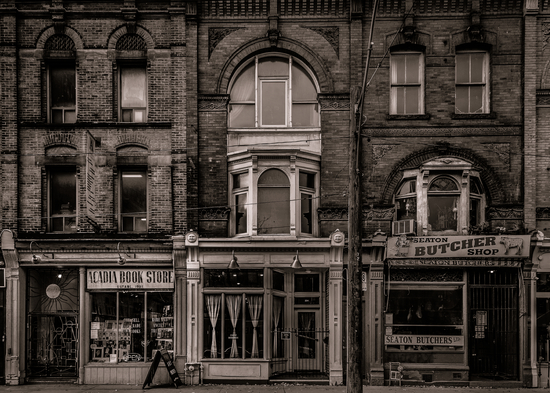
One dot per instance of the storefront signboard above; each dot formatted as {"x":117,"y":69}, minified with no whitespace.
{"x":130,"y":279}
{"x":414,"y":339}
{"x":512,"y":246}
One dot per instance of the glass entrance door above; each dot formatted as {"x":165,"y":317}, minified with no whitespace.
{"x":307,"y":341}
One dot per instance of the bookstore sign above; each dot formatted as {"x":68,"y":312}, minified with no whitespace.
{"x":130,"y":279}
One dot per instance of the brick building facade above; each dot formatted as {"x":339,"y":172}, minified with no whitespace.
{"x":146,"y":145}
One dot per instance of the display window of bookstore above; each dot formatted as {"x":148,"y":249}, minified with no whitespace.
{"x":543,"y":316}
{"x":132,"y":314}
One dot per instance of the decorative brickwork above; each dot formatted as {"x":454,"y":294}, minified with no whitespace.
{"x":331,"y":34}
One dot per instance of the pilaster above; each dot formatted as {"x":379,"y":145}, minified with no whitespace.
{"x":336,"y":313}
{"x":194,"y":304}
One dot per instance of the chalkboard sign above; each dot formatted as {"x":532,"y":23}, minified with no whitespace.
{"x":164,"y":355}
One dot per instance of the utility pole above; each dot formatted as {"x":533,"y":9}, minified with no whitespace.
{"x":355,"y":265}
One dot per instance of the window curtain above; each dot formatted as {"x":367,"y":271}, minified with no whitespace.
{"x":243,"y":90}
{"x":234,"y":308}
{"x":277,"y":308}
{"x":255,"y":308}
{"x":213,"y":303}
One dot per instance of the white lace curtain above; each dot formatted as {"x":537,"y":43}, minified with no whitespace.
{"x":277,"y":308}
{"x":213,"y":303}
{"x":234,"y":308}
{"x":255,"y":309}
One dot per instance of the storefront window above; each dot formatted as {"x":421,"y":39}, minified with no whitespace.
{"x":130,"y":326}
{"x":543,"y":317}
{"x":423,"y":317}
{"x":233,"y":319}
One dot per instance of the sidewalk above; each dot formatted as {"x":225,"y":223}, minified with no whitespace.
{"x":277,"y":388}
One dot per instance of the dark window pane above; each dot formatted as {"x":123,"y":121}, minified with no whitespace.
{"x":475,"y":212}
{"x":273,"y":103}
{"x":241,"y":115}
{"x":306,"y":283}
{"x":278,"y":281}
{"x":134,"y":192}
{"x":63,"y":192}
{"x":406,"y":209}
{"x":241,"y":209}
{"x":57,"y":224}
{"x":243,"y":278}
{"x":127,"y":224}
{"x":302,"y":85}
{"x":57,"y":116}
{"x":462,"y":68}
{"x":273,"y":66}
{"x":306,"y":207}
{"x":62,"y":84}
{"x":307,"y":180}
{"x":127,"y":114}
{"x":305,"y":115}
{"x":442,"y":213}
{"x":133,"y":87}
{"x":425,"y":306}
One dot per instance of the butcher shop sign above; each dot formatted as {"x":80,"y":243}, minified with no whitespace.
{"x":512,"y":246}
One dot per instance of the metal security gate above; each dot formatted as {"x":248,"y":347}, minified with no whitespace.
{"x":493,"y":324}
{"x":52,"y":323}
{"x":53,"y":346}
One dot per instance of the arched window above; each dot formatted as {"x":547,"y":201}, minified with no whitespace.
{"x":273,"y":91}
{"x":60,"y":53}
{"x":273,"y":202}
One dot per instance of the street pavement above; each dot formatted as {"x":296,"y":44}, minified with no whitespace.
{"x":275,"y":388}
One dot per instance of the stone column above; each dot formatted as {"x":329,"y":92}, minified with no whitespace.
{"x":193,"y":312}
{"x":180,"y":300}
{"x":335,"y":311}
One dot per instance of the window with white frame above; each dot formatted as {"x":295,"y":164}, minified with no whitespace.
{"x":233,"y":314}
{"x":441,"y":201}
{"x":273,"y":200}
{"x":62,"y":206}
{"x":407,"y":83}
{"x":273,"y":91}
{"x":471,"y":78}
{"x":133,"y":200}
{"x":133,"y":93}
{"x":62,"y":92}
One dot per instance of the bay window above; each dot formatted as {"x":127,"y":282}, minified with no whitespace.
{"x":443,"y":202}
{"x":273,"y":199}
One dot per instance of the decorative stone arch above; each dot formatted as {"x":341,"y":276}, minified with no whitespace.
{"x":132,"y":139}
{"x":284,"y":45}
{"x":123,"y":30}
{"x":68,"y":31}
{"x":490,"y":179}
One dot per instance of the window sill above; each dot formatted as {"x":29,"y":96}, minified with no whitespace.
{"x":475,"y":116}
{"x":408,"y":117}
{"x":157,"y":124}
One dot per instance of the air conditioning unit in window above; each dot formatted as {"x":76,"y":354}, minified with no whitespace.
{"x":404,"y":227}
